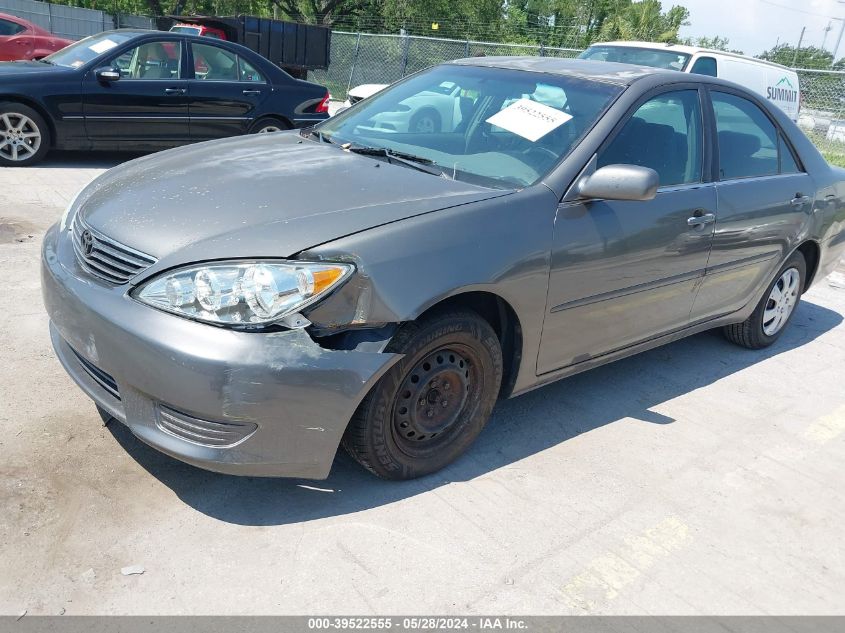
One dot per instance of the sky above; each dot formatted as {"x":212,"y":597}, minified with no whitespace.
{"x":753,"y":26}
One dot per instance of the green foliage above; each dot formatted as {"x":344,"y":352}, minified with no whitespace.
{"x":557,"y":23}
{"x":645,"y":21}
{"x":806,"y":57}
{"x":716,"y":43}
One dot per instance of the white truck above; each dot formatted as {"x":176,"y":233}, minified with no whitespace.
{"x":774,"y":82}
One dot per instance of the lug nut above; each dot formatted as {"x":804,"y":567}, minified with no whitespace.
{"x":422,"y":402}
{"x":430,"y":413}
{"x":444,"y":404}
{"x":446,"y":386}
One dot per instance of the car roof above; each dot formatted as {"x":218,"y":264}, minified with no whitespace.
{"x":688,"y":50}
{"x":623,"y":74}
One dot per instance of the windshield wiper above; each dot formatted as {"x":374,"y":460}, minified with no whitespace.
{"x":323,"y":138}
{"x":403,"y":158}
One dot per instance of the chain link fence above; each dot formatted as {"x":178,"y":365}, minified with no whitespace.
{"x":822,"y":114}
{"x":362,"y":58}
{"x":72,"y":22}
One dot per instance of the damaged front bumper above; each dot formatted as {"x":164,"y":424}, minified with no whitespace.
{"x":245,"y":403}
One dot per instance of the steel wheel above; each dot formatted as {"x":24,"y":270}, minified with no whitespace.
{"x":781,"y":302}
{"x":267,"y":129}
{"x":425,"y":125}
{"x":20,"y":137}
{"x":432,"y":398}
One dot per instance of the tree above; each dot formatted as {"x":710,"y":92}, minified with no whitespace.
{"x":716,"y":43}
{"x":643,"y":21}
{"x":807,"y":57}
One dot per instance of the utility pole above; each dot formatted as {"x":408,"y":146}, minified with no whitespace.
{"x":800,"y":40}
{"x":838,"y":39}
{"x":827,"y":30}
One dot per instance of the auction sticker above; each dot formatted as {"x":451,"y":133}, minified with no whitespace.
{"x":529,"y":119}
{"x":102,"y":47}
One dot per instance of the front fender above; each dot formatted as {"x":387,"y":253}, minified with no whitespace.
{"x":500,"y":246}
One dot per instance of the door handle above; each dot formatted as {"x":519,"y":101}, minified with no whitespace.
{"x":174,"y":91}
{"x":700,"y":219}
{"x":251,"y":92}
{"x":799,"y":200}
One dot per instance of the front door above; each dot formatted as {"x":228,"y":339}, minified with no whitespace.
{"x":625,"y":272}
{"x":147,"y":106}
{"x":225,"y":92}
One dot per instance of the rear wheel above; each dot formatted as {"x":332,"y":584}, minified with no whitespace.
{"x":430,"y":406}
{"x":24,"y":135}
{"x":775,"y":310}
{"x":267,"y":125}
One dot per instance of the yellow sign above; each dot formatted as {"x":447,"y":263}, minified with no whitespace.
{"x":434,"y":26}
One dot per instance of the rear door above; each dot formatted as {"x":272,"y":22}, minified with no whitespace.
{"x":148,"y":105}
{"x":764,"y":197}
{"x":226,"y":89}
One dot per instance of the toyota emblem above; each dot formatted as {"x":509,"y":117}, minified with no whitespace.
{"x":87,"y":243}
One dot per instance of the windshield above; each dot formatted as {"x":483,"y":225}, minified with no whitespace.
{"x":492,"y":126}
{"x":654,"y":57}
{"x":84,"y":51}
{"x":192,"y":30}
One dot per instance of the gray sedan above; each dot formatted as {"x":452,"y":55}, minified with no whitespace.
{"x":248,"y":305}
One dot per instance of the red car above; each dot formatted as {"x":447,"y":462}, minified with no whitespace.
{"x":20,"y":39}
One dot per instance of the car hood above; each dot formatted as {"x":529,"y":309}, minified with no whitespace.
{"x":267,"y":195}
{"x":29,"y":68}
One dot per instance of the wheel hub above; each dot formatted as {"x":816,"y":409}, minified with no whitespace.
{"x":432,"y":396}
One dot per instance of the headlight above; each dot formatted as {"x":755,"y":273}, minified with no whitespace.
{"x":248,"y":293}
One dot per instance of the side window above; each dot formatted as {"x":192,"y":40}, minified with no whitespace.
{"x":212,"y":63}
{"x":153,"y":60}
{"x":248,"y":72}
{"x":663,"y":134}
{"x":788,"y":164}
{"x":7,"y":27}
{"x":748,"y":140}
{"x":704,"y":66}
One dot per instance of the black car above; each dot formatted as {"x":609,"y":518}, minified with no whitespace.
{"x":146,"y":90}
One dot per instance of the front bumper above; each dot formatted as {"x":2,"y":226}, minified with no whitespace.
{"x":245,"y":403}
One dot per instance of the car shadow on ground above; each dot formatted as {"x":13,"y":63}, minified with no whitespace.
{"x":520,"y":427}
{"x":86,"y":160}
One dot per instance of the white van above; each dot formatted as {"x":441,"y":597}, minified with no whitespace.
{"x":776,"y":83}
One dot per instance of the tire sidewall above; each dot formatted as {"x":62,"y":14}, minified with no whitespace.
{"x":467,"y":331}
{"x":425,"y":112}
{"x":43,"y":128}
{"x":796,"y":260}
{"x":256,"y":127}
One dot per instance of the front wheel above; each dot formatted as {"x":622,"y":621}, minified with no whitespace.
{"x":24,"y":135}
{"x":430,"y":406}
{"x":775,"y":310}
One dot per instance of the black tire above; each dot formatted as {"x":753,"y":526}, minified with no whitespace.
{"x":750,"y":333}
{"x":15,"y":143}
{"x":403,"y":429}
{"x":267,"y":122}
{"x":422,"y":117}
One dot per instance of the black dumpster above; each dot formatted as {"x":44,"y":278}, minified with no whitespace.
{"x":295,"y":47}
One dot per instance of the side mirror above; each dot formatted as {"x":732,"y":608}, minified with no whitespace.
{"x":620,"y":182}
{"x":107,"y":74}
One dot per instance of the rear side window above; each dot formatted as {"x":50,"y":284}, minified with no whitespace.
{"x":248,"y":72}
{"x":704,"y":66}
{"x":788,"y":164}
{"x":748,"y":141}
{"x":7,"y":27}
{"x":212,"y":63}
{"x":663,"y":134}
